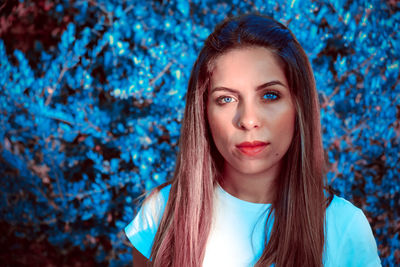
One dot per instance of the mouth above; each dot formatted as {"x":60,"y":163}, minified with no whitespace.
{"x":252,"y":148}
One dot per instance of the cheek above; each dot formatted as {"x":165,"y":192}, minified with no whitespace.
{"x":285,"y":124}
{"x":219,"y":126}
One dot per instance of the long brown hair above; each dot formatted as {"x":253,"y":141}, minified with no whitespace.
{"x":298,"y":212}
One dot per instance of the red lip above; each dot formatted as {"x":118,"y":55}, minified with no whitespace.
{"x":252,"y":148}
{"x":252,"y":144}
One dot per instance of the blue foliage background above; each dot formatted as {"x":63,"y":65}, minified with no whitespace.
{"x":93,"y":95}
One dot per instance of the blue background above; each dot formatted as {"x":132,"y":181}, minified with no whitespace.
{"x":93,"y":95}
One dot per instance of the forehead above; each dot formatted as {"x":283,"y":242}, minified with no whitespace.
{"x":248,"y":65}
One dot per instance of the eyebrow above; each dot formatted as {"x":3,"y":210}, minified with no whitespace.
{"x":260,"y":87}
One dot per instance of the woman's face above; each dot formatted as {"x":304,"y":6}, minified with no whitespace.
{"x":250,"y":110}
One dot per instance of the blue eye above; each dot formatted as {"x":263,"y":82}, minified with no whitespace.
{"x":225,"y":99}
{"x":270,"y":96}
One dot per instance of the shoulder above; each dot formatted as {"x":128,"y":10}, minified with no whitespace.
{"x":343,"y":207}
{"x":143,"y":228}
{"x":344,"y":217}
{"x":349,"y":235}
{"x":157,"y":199}
{"x":153,"y":206}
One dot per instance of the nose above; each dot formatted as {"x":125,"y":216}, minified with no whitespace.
{"x":247,"y":117}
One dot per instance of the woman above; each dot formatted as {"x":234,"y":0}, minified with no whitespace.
{"x":248,"y":188}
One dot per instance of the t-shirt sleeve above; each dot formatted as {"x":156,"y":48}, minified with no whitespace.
{"x":143,"y":228}
{"x":359,"y":246}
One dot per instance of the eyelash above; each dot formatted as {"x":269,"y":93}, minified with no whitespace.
{"x":274,"y":93}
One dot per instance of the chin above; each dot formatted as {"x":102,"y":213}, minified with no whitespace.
{"x":250,"y":168}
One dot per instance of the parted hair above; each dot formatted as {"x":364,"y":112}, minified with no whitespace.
{"x":298,"y":210}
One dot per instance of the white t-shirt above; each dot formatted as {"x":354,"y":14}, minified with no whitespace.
{"x":237,"y":234}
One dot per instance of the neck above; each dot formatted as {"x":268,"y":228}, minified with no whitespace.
{"x":254,"y":187}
